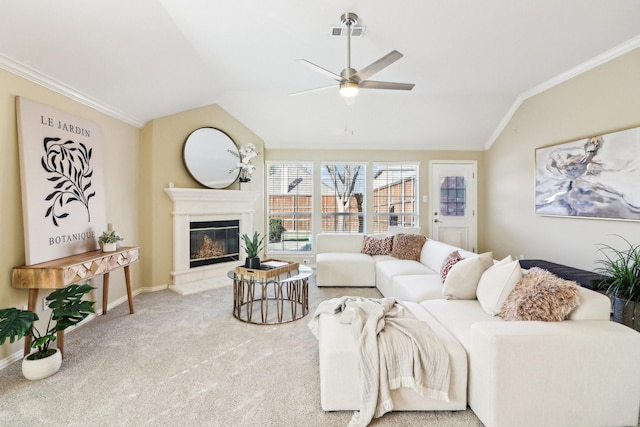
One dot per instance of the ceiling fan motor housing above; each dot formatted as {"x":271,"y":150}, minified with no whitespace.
{"x":349,"y":19}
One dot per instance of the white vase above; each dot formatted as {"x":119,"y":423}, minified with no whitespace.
{"x":108,"y":247}
{"x":41,"y":368}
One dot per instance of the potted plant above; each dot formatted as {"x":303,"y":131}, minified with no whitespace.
{"x":252,"y":246}
{"x":621,"y":280}
{"x":108,"y":241}
{"x":67,"y":309}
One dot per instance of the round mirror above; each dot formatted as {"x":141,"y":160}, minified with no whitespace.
{"x":211,"y":156}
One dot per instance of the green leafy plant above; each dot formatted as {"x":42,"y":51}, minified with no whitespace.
{"x":252,"y":245}
{"x":67,"y":309}
{"x":109,"y":237}
{"x":621,"y":270}
{"x":275,"y":229}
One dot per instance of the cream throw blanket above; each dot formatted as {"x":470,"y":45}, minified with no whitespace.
{"x":394,"y":350}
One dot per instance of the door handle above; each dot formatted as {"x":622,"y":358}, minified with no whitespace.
{"x":437,"y":220}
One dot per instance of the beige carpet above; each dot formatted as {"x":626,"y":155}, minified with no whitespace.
{"x":184,"y":360}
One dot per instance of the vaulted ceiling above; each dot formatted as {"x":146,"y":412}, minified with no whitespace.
{"x":472,"y":61}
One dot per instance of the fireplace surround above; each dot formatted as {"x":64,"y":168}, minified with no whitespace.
{"x":194,"y":205}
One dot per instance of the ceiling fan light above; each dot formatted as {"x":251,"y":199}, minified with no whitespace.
{"x":348,"y":89}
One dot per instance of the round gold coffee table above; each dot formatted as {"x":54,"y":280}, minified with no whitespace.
{"x":271,"y":301}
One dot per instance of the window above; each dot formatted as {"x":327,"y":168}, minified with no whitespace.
{"x":394,"y":196}
{"x":452,"y":196}
{"x":289,"y":206}
{"x":343,"y":197}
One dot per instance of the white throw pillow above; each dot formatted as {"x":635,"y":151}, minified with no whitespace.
{"x":462,"y":280}
{"x":496,"y":284}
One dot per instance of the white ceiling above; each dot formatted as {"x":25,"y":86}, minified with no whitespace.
{"x":472,"y":61}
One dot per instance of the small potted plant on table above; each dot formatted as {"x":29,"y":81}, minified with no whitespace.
{"x":252,"y":247}
{"x":67,"y":309}
{"x":108,"y":241}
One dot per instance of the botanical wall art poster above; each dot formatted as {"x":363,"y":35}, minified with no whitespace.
{"x":61,"y":170}
{"x":596,"y":177}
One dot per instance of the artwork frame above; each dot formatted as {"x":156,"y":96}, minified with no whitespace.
{"x":62,"y":180}
{"x":593,"y":177}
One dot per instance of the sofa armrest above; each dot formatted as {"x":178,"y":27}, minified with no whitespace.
{"x":554,"y":373}
{"x":326,"y":242}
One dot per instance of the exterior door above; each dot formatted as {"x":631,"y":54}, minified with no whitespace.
{"x":453,"y":203}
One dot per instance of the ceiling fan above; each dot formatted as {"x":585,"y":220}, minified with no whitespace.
{"x":350,"y":80}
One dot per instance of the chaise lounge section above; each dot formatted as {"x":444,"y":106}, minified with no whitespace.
{"x":579,"y":371}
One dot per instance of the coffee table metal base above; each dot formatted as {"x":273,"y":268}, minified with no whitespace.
{"x":271,"y":302}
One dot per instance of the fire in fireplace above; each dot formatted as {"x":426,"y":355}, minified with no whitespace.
{"x":213,"y":242}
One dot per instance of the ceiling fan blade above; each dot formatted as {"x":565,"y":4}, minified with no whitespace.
{"x":373,"y":68}
{"x":320,"y":70}
{"x":370,"y":84}
{"x":313,"y":90}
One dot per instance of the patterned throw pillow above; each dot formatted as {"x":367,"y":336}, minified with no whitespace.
{"x":377,"y":246}
{"x":408,"y":246}
{"x":449,"y":262}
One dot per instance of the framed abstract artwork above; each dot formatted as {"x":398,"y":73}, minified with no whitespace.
{"x":63,"y":198}
{"x":594,"y":177}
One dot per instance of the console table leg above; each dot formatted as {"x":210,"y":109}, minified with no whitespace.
{"x":127,"y":279}
{"x":105,"y":292}
{"x":31,"y":306}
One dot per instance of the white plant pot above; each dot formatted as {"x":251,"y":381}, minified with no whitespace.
{"x":108,"y":247}
{"x":41,"y":368}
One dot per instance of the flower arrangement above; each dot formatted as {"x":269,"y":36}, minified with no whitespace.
{"x":246,"y":153}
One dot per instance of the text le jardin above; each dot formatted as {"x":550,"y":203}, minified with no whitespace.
{"x":48,"y":121}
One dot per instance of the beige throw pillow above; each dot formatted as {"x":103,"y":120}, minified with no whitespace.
{"x":462,"y":280}
{"x":496,"y":284}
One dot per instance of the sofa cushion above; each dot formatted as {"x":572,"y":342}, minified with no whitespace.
{"x":496,"y":284}
{"x":457,"y":316}
{"x":434,"y":253}
{"x":386,"y":270}
{"x":541,"y":295}
{"x":417,"y":288}
{"x":408,"y":246}
{"x":396,"y":229}
{"x":373,"y":245}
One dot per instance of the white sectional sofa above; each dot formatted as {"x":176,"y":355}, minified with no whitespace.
{"x":582,"y":371}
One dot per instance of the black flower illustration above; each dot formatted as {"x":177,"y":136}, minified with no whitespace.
{"x":69,"y":163}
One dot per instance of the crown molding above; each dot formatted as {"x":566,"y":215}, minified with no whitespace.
{"x":48,"y":82}
{"x":607,"y":56}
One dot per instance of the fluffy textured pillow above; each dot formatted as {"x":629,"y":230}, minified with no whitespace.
{"x":496,"y":284}
{"x":462,"y":280}
{"x":452,"y":259}
{"x":541,"y":295}
{"x":408,"y":246}
{"x":377,"y":246}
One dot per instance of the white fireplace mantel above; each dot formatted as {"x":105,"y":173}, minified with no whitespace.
{"x":192,"y":205}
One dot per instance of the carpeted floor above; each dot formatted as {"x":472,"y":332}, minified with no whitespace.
{"x":184,"y":360}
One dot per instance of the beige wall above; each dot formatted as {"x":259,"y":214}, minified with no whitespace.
{"x":162,"y":142}
{"x":121,"y":179}
{"x":423,"y":157}
{"x":601,"y":100}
